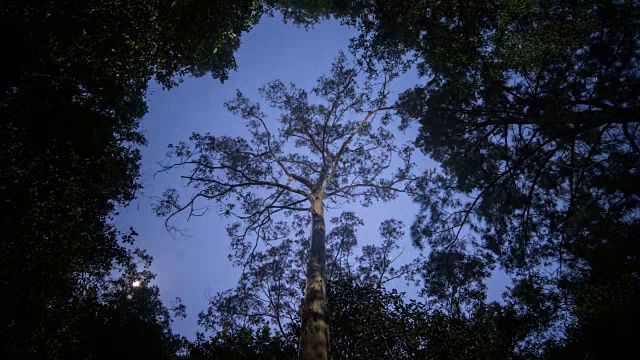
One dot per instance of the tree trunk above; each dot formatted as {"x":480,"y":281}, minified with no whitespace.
{"x":314,"y":333}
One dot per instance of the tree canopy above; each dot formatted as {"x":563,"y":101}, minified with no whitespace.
{"x":73,"y":93}
{"x":368,"y":320}
{"x":317,"y":155}
{"x":530,"y":109}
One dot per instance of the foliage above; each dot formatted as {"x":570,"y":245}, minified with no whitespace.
{"x":377,"y":323}
{"x":269,"y":290}
{"x":73,"y":93}
{"x":310,"y":12}
{"x":605,"y":291}
{"x":125,"y":318}
{"x":530,"y":107}
{"x":244,"y":343}
{"x":454,"y":278}
{"x":370,"y":321}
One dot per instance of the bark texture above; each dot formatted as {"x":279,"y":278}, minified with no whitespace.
{"x":314,"y":334}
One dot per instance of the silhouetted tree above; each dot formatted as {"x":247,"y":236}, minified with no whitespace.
{"x":369,"y":321}
{"x":124,"y":317}
{"x":72,"y":95}
{"x":454,"y":278}
{"x":317,"y":155}
{"x":532,"y":110}
{"x":243,"y":343}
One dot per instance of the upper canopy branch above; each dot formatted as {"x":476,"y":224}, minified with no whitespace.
{"x":343,"y":148}
{"x":298,"y":178}
{"x":249,"y":181}
{"x":406,"y":189}
{"x":318,"y":145}
{"x":231,"y":186}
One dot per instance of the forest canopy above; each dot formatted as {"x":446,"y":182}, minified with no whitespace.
{"x":529,"y":108}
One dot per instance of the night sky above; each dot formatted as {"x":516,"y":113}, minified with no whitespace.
{"x":196,"y":266}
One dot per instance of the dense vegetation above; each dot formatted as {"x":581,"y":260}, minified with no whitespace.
{"x":530,"y":108}
{"x":73,"y":93}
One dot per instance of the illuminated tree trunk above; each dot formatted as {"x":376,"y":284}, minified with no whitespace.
{"x":314,"y":334}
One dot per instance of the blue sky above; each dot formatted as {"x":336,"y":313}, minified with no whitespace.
{"x":196,"y":266}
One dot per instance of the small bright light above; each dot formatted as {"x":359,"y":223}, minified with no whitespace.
{"x":136,"y":283}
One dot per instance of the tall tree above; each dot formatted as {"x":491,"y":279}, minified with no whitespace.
{"x":318,"y":156}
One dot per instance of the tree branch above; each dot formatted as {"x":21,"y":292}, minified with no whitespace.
{"x":384,"y":187}
{"x":346,"y":142}
{"x":246,"y":184}
{"x":298,"y":178}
